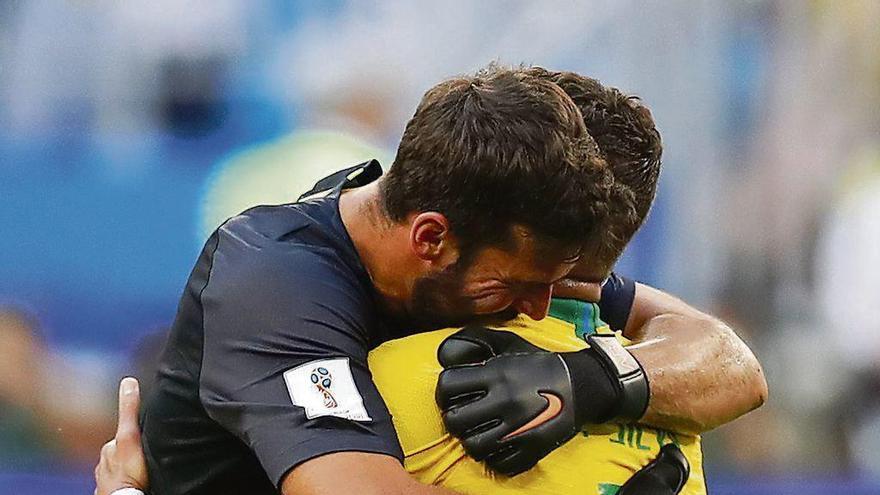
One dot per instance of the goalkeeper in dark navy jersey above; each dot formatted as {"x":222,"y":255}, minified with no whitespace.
{"x":496,"y":193}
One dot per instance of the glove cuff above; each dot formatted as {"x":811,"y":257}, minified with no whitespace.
{"x":627,"y":374}
{"x":595,"y":390}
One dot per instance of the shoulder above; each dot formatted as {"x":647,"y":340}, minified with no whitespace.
{"x":283,"y":254}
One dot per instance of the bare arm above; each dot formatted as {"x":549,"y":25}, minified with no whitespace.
{"x":701,"y":373}
{"x":354,"y":472}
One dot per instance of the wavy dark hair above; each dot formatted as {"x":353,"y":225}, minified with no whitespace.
{"x":628,"y":139}
{"x":497,"y":149}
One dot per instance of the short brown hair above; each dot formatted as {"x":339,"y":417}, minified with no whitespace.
{"x":498,"y":149}
{"x":629,"y":141}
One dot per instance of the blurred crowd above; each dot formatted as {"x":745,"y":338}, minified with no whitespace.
{"x":129,"y":130}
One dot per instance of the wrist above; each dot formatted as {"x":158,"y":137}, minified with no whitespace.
{"x":607,"y":381}
{"x":629,"y":377}
{"x":595,"y":390}
{"x":127,"y":491}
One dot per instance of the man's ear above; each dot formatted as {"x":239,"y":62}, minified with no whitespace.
{"x":430,"y":237}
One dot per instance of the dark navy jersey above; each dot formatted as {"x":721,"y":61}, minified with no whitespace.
{"x":266,"y":364}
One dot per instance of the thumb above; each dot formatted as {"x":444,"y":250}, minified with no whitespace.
{"x":667,"y":474}
{"x":128,"y":433}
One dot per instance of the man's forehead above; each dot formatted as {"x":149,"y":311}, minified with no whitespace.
{"x":528,"y":243}
{"x":527,"y":262}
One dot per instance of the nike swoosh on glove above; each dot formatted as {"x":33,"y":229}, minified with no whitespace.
{"x":510,"y":402}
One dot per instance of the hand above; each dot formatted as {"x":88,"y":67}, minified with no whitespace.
{"x":475,"y":345}
{"x":122,"y":463}
{"x":512,"y":403}
{"x":665,"y":475}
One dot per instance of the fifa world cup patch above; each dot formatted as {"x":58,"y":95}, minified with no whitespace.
{"x":326,"y":388}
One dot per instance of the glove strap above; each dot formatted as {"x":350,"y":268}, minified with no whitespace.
{"x":631,"y":377}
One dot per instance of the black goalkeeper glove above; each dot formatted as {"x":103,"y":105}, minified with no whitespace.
{"x":512,"y":403}
{"x":665,"y":475}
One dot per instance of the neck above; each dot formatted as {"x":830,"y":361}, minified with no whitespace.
{"x":380,"y":244}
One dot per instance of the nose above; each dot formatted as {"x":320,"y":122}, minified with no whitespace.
{"x":535,"y":305}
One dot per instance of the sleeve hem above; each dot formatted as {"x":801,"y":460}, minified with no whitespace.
{"x":615,"y":305}
{"x":311,"y":449}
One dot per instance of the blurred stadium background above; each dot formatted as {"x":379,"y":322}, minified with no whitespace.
{"x":128,"y":130}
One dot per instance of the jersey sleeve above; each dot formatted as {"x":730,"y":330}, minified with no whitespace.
{"x":618,"y":294}
{"x":284,"y":367}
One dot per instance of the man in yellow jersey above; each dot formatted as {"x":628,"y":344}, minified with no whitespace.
{"x":511,"y":403}
{"x":597,"y":461}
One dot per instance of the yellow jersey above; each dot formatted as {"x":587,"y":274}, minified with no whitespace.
{"x":596,"y":461}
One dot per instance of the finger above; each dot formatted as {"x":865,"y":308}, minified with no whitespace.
{"x":481,"y":442}
{"x":497,"y":341}
{"x":672,"y":455}
{"x":460,"y":385}
{"x":108,"y":450}
{"x":470,"y":419}
{"x":510,"y":461}
{"x":128,"y":429}
{"x":476,"y":344}
{"x":667,"y":474}
{"x":464,"y":347}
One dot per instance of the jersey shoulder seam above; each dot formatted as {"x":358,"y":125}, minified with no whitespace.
{"x":202,"y":310}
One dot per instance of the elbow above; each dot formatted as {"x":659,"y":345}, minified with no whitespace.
{"x":755,"y":391}
{"x":745,"y":386}
{"x":752,"y":395}
{"x":752,"y":374}
{"x":760,"y":392}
